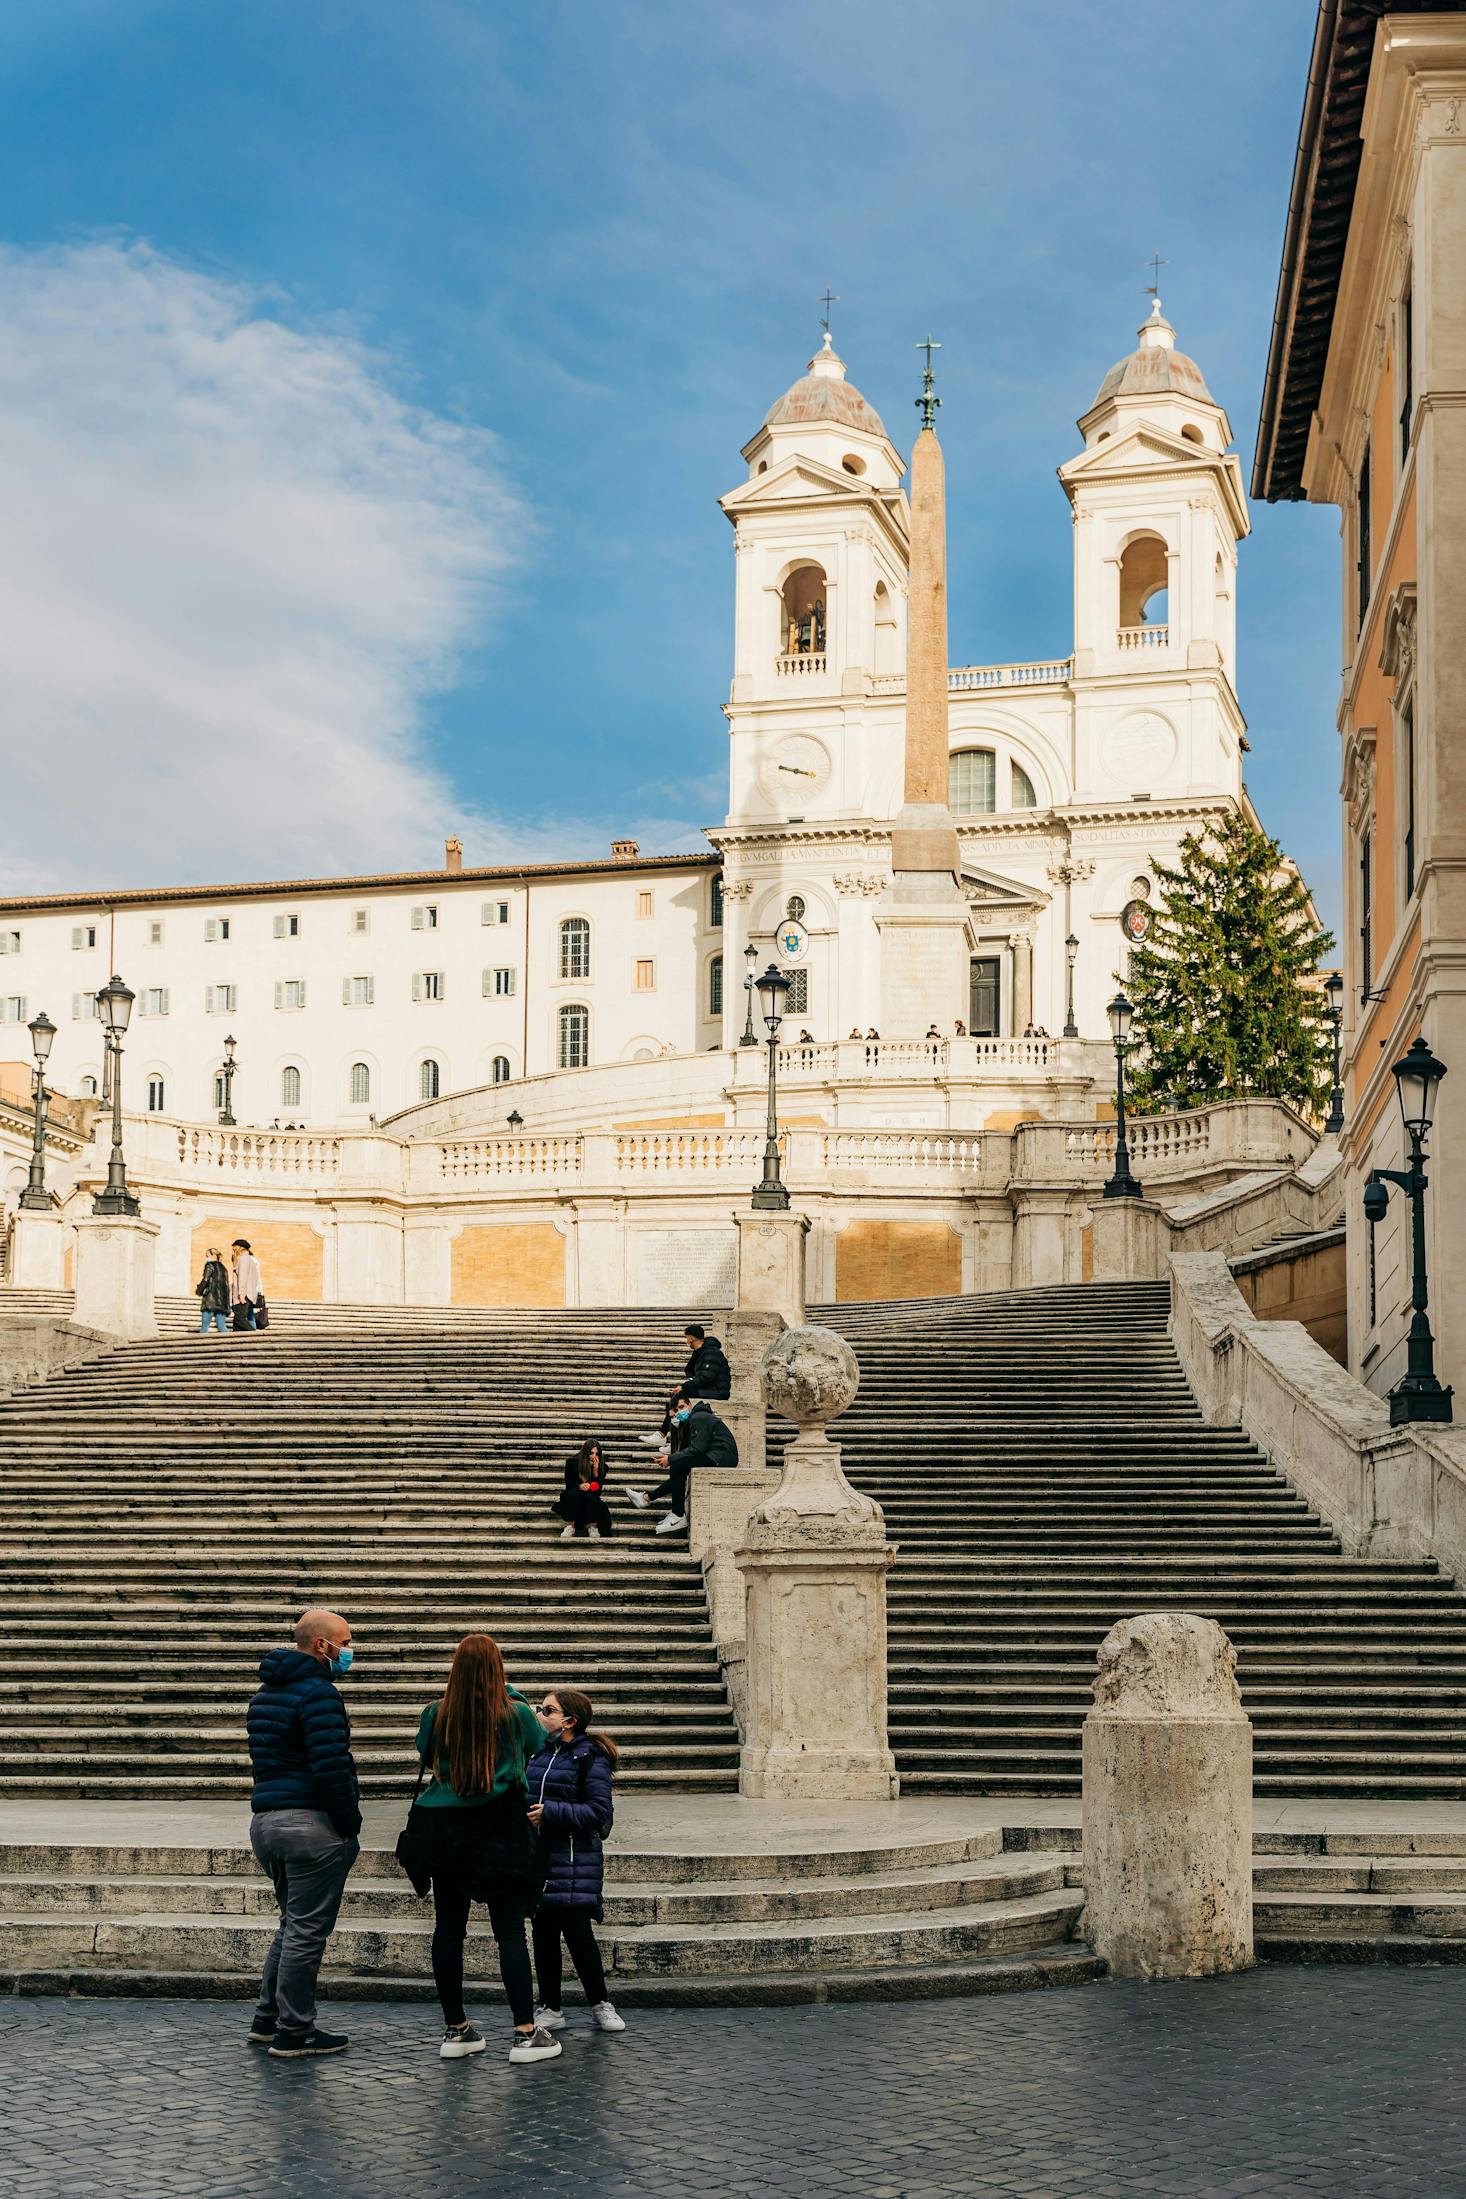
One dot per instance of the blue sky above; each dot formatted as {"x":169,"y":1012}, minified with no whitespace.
{"x":373,"y":372}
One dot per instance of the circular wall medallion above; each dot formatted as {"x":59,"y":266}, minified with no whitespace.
{"x":791,"y":940}
{"x":794,"y":772}
{"x":1140,"y":750}
{"x":1137,"y":920}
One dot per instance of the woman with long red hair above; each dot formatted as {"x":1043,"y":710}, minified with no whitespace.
{"x":476,"y":1740}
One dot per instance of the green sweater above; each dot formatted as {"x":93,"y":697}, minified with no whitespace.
{"x":529,"y":1735}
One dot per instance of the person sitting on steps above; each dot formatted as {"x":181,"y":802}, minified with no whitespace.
{"x":706,"y":1441}
{"x":580,"y":1503}
{"x":707,"y":1374}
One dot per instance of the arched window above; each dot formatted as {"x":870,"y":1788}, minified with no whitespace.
{"x":1023,"y":794}
{"x":290,"y":1087}
{"x":804,"y":613}
{"x":715,"y":986}
{"x":1192,"y":435}
{"x":155,"y":1095}
{"x":502,"y":1071}
{"x":972,"y":781}
{"x":888,"y":655}
{"x":575,"y":947}
{"x":361,"y":1083}
{"x":1143,"y":576}
{"x":88,"y":1087}
{"x":574,"y":1047}
{"x":427,"y":1080}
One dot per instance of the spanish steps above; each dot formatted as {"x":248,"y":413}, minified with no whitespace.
{"x":167,"y":1508}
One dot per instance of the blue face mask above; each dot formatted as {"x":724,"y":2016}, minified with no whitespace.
{"x":341,"y":1663}
{"x":683,"y":1414}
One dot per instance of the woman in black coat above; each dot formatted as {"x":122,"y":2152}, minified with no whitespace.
{"x":212,"y":1292}
{"x":580,"y":1503}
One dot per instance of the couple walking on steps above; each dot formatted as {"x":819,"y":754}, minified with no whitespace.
{"x":515,"y":1811}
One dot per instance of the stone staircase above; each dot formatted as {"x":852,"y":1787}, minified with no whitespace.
{"x":935,"y":1915}
{"x":167,"y":1510}
{"x":1045,"y":1472}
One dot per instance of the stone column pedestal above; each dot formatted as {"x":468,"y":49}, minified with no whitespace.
{"x":115,"y":1255}
{"x":814,"y":1559}
{"x":37,"y":1250}
{"x":1167,"y":1805}
{"x":771,"y":1263}
{"x":721,"y":1499}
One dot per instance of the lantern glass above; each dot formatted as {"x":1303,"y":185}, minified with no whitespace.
{"x":1334,"y":986}
{"x":1417,"y":1074}
{"x":43,"y":1032}
{"x":1121,"y":1016}
{"x":116,"y":1002}
{"x":772,"y":988}
{"x":1071,"y":948}
{"x":229,"y":1045}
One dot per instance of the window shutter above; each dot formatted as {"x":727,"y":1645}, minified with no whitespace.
{"x":211,"y":929}
{"x":346,"y":992}
{"x":279,"y":926}
{"x":441,"y":989}
{"x":419,"y":917}
{"x":77,"y":1010}
{"x":279,"y":994}
{"x":300,"y":994}
{"x":78,"y":936}
{"x":488,"y":983}
{"x":208,"y":1000}
{"x":417,"y":986}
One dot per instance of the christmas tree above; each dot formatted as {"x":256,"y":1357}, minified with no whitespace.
{"x":1223,"y":989}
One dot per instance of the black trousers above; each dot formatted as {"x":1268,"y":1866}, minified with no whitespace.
{"x":574,"y":1926}
{"x":673,"y":1490}
{"x":508,"y":1915}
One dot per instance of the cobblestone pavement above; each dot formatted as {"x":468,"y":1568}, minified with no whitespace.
{"x":1343,"y":2082}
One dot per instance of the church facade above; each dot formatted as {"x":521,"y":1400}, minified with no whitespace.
{"x":1049,"y":792}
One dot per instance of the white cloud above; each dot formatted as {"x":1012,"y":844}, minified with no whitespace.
{"x":233,"y":565}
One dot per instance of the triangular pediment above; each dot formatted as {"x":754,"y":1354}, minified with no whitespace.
{"x":1143,"y":445}
{"x":983,"y":886}
{"x":798,"y":479}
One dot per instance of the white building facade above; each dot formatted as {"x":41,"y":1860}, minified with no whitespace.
{"x":354,"y":1000}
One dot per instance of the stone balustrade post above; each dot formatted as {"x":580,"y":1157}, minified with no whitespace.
{"x":1167,"y":1807}
{"x":115,"y":1259}
{"x":814,"y":1559}
{"x":37,"y":1250}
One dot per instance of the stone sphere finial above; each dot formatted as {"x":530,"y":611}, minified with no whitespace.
{"x":809,"y":1376}
{"x":1167,"y":1664}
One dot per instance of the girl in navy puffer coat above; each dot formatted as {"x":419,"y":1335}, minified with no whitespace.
{"x":569,"y":1783}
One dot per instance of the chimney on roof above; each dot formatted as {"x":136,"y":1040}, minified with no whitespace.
{"x":453,"y":853}
{"x":625,"y":851}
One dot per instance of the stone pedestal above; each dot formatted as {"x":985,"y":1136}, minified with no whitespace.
{"x":926,"y":949}
{"x":115,"y":1256}
{"x":37,"y":1251}
{"x":771,"y":1264}
{"x":721,"y":1500}
{"x":814,"y":1559}
{"x":1168,"y":1802}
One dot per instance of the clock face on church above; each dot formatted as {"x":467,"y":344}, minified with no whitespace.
{"x":794,"y":772}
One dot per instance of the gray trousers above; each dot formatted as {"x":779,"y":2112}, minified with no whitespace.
{"x":308,"y":1863}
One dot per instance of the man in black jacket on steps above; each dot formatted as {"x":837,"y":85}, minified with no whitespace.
{"x":305,"y":1822}
{"x":705,"y":1441}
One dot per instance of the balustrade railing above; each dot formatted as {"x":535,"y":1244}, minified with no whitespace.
{"x":1143,"y":637}
{"x":800,"y":665}
{"x":511,"y":1159}
{"x":282,"y":1155}
{"x":686,"y":1152}
{"x":903,"y":1152}
{"x":965,"y":679}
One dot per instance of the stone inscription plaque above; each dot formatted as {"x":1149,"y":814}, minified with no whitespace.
{"x":685,"y":1267}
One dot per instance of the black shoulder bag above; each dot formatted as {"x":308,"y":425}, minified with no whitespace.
{"x":413,"y":1850}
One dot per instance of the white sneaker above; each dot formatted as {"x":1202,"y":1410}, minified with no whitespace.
{"x":635,"y":1496}
{"x":548,"y":2019}
{"x":568,"y":1535}
{"x":652,"y":1442}
{"x":673,"y":1524}
{"x":594,"y":1533}
{"x":534,"y":2046}
{"x":458,"y":2044}
{"x":606,"y":2018}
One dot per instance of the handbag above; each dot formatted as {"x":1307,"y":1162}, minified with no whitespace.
{"x":413,"y":1850}
{"x":422,"y":1841}
{"x":262,"y":1312}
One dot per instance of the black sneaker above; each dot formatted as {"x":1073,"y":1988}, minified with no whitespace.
{"x":262,"y":2030}
{"x":291,"y":2046}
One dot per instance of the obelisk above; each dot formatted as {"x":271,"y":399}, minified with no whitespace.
{"x":923,"y":916}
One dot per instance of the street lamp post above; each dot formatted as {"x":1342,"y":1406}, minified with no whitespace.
{"x":514,"y":1119}
{"x":1334,"y":987}
{"x":115,"y":1001}
{"x":1418,"y":1395}
{"x":750,"y":1036}
{"x":226,"y":1112}
{"x":35,"y":1197}
{"x":1071,"y":950}
{"x":1122,"y":1185}
{"x":772,"y":987}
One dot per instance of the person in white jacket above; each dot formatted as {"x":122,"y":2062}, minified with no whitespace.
{"x":246,"y":1285}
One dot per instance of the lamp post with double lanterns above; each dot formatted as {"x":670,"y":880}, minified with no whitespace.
{"x":772,"y":987}
{"x":1071,"y":952}
{"x":1418,"y":1395}
{"x":35,"y":1197}
{"x":115,"y":1001}
{"x":1122,"y":1185}
{"x":1334,"y":987}
{"x":750,"y":1035}
{"x":226,"y":1071}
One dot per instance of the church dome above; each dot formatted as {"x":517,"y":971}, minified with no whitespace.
{"x":823,"y":396}
{"x":1156,"y":368}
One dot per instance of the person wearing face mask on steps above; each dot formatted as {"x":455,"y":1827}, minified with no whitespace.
{"x":305,"y":1824}
{"x":704,"y":1441}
